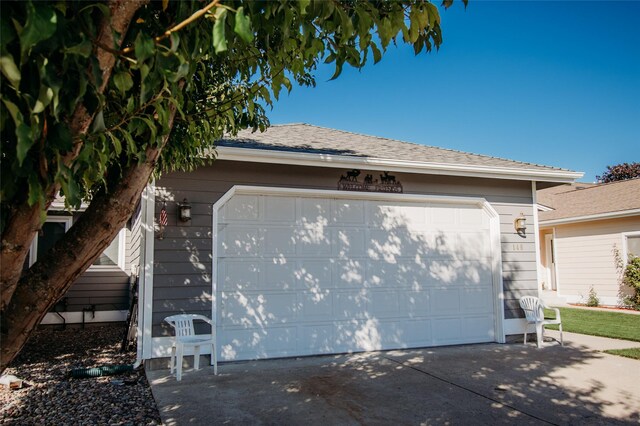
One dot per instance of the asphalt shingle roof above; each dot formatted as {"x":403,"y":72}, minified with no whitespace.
{"x":310,"y":139}
{"x":579,"y":200}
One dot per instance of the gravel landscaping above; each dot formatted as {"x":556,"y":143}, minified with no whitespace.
{"x":51,"y":396}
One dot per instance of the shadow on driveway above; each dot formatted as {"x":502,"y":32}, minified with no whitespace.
{"x":472,"y":384}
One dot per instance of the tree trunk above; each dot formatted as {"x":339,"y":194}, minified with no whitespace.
{"x":27,"y":220}
{"x":50,"y":278}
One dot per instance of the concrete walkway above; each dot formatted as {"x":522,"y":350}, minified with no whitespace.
{"x":472,"y":384}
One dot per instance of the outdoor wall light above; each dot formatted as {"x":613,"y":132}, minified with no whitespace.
{"x":520,"y":224}
{"x":184,"y":211}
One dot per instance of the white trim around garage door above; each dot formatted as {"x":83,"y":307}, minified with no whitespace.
{"x":498,"y":293}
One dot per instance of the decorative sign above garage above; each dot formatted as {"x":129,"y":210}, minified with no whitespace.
{"x":387,"y":183}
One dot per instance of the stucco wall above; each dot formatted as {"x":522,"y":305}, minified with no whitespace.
{"x":182,"y":259}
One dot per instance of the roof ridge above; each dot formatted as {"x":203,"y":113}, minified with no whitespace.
{"x":424,"y":145}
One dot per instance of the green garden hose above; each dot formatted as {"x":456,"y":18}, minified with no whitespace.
{"x":105,"y":370}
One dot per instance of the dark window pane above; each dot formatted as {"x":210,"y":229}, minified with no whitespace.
{"x":50,"y":234}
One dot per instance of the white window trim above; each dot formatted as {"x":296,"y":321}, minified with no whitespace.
{"x":625,"y":249}
{"x":68,"y":221}
{"x":122,"y":239}
{"x":33,"y":250}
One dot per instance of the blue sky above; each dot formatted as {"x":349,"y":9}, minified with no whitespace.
{"x":553,"y":83}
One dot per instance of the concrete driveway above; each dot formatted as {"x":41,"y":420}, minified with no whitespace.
{"x":473,"y":384}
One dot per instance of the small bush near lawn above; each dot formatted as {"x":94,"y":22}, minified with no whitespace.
{"x":615,"y":325}
{"x":628,"y":353}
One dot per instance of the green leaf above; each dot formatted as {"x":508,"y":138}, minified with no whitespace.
{"x":35,"y":190}
{"x":25,"y":142}
{"x":123,"y":82}
{"x":84,"y":49}
{"x":44,"y":99}
{"x":377,"y":55}
{"x":40,"y":25}
{"x":243,"y":26}
{"x":338,"y":71}
{"x":117,"y":146}
{"x":10,"y":70}
{"x":219,"y":38}
{"x":23,"y":132}
{"x":145,"y":47}
{"x":302,"y":5}
{"x":98,"y":123}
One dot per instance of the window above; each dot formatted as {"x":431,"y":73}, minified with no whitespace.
{"x":55,"y":227}
{"x":632,"y":245}
{"x":113,"y":256}
{"x":52,"y":230}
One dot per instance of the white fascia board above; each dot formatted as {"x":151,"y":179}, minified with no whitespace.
{"x":588,"y":218}
{"x":381,"y":164}
{"x":543,"y":208}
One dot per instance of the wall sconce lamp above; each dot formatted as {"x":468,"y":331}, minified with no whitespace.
{"x":184,"y":211}
{"x":520,"y":224}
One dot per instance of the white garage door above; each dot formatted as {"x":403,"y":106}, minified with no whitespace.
{"x":300,"y":275}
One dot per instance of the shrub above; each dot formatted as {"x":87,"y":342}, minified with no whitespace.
{"x":593,"y":300}
{"x":631,"y":278}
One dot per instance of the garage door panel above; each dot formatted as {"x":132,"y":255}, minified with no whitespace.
{"x":347,"y":212}
{"x":390,"y":216}
{"x":280,"y":209}
{"x":478,"y":328}
{"x":317,"y":306}
{"x":314,"y":211}
{"x":350,"y":304}
{"x":385,"y":304}
{"x":314,"y":274}
{"x":447,"y":331}
{"x":349,"y":242}
{"x":349,"y":273}
{"x":318,"y":339}
{"x":279,"y":241}
{"x":457,"y":272}
{"x":240,"y":275}
{"x":240,"y":240}
{"x":260,"y":343}
{"x":444,"y":301}
{"x":473,"y":245}
{"x":313,"y":240}
{"x":416,"y":303}
{"x":258,"y":310}
{"x":279,"y":275}
{"x":302,"y":275}
{"x":477,"y":300}
{"x":382,"y":274}
{"x":472,"y":217}
{"x":241,"y":208}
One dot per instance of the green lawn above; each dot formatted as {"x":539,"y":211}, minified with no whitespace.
{"x":615,"y":325}
{"x":629,"y":353}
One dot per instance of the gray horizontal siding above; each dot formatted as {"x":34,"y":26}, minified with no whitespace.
{"x":106,"y":291}
{"x":182,"y":260}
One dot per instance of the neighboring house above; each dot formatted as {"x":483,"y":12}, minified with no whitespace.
{"x":304,"y":240}
{"x":101,"y":294}
{"x":582,"y":226}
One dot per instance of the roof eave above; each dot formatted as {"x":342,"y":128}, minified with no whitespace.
{"x":589,"y":218}
{"x":381,"y":164}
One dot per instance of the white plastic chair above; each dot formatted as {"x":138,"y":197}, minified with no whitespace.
{"x":186,"y":336}
{"x":533,"y":308}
